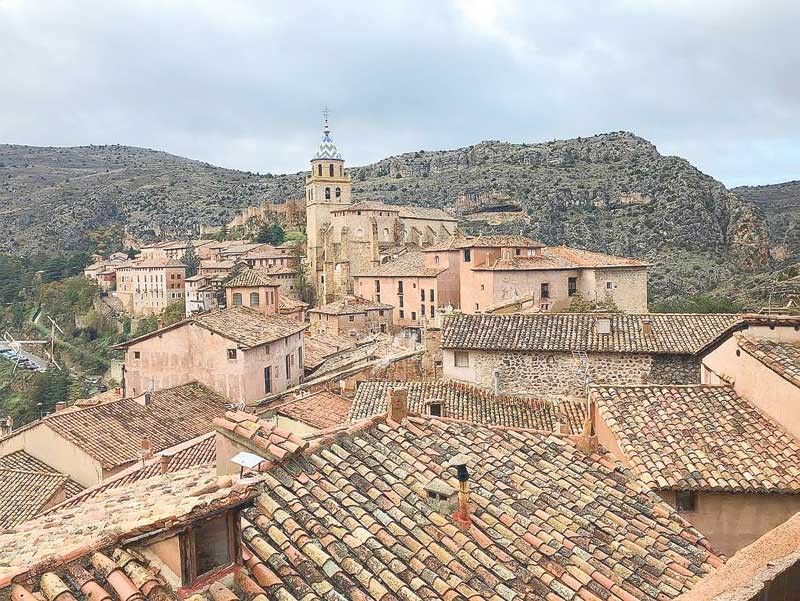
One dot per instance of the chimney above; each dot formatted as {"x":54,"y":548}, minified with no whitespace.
{"x":6,"y":426}
{"x":147,"y":397}
{"x":397,"y":403}
{"x":118,"y":391}
{"x":461,"y":516}
{"x":603,"y":325}
{"x":563,"y":426}
{"x":163,"y":463}
{"x":60,"y":406}
{"x":496,"y":382}
{"x":588,"y":438}
{"x":647,"y":326}
{"x":147,"y":448}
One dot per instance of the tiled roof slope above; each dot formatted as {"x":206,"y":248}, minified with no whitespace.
{"x":27,"y":485}
{"x":461,"y":401}
{"x":198,"y":451}
{"x":498,"y":241}
{"x":409,"y":264}
{"x":672,"y":333}
{"x":350,"y":520}
{"x":318,"y":346}
{"x":274,"y":443}
{"x":415,"y":212}
{"x":46,"y":543}
{"x":250,"y":278}
{"x":246,"y":326}
{"x":112,"y":433}
{"x":319,"y":410}
{"x":349,"y":305}
{"x":699,"y":438}
{"x":586,"y":258}
{"x":781,"y":357}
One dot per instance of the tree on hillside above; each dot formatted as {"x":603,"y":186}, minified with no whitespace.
{"x":191,"y":260}
{"x":270,"y":233}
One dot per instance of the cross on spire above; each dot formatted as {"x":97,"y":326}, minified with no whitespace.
{"x":325,"y":114}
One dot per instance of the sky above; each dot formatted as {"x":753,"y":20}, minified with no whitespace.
{"x":242,"y":84}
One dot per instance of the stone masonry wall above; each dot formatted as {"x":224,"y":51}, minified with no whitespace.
{"x":550,"y":375}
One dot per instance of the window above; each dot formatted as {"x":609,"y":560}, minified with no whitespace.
{"x":340,"y":171}
{"x":400,"y":287}
{"x":545,"y":290}
{"x":685,"y":500}
{"x":378,"y":286}
{"x":518,"y":251}
{"x":433,"y":312}
{"x":435,"y":409}
{"x":254,"y":299}
{"x":461,"y":358}
{"x":137,"y":354}
{"x":338,"y":192}
{"x":467,"y":255}
{"x":231,"y":353}
{"x":327,"y":193}
{"x":386,"y":233}
{"x":477,"y":307}
{"x":330,"y":170}
{"x":237,"y":299}
{"x":402,"y":314}
{"x":319,"y":170}
{"x":300,"y":358}
{"x":383,"y":328}
{"x":413,"y":316}
{"x":267,"y":380}
{"x":288,"y":366}
{"x":572,"y":286}
{"x":209,"y":546}
{"x":422,"y":310}
{"x":436,"y":260}
{"x":430,"y":295}
{"x":422,"y":294}
{"x":351,"y":318}
{"x":400,"y":299}
{"x":609,"y":285}
{"x":380,"y":312}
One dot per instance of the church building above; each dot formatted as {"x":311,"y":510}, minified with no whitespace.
{"x":345,"y":238}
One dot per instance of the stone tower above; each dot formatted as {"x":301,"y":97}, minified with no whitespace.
{"x":327,"y":188}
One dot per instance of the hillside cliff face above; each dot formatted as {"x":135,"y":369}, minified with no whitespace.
{"x":780,"y":204}
{"x":610,"y":192}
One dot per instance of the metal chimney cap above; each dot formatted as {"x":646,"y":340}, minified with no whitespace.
{"x":457,"y":460}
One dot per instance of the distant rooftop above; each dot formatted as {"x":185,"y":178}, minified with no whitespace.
{"x":408,"y":264}
{"x":349,"y":305}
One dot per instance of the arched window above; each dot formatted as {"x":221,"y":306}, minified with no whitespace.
{"x":319,"y":170}
{"x":436,"y":260}
{"x":360,"y":234}
{"x":254,"y":299}
{"x":338,"y":192}
{"x":327,"y":193}
{"x":386,"y":233}
{"x":340,"y":171}
{"x":237,"y":299}
{"x":330,"y":169}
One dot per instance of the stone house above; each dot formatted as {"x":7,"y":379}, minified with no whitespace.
{"x":200,"y":293}
{"x":270,"y":256}
{"x":239,"y":352}
{"x":548,"y":355}
{"x":725,"y":466}
{"x":352,"y":316}
{"x":176,"y":249}
{"x":254,"y":288}
{"x":104,"y":272}
{"x":760,"y":358}
{"x":148,"y":286}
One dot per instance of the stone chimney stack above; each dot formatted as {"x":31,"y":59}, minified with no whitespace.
{"x":588,"y":438}
{"x":461,"y":516}
{"x":60,"y":406}
{"x":397,"y":403}
{"x":163,"y":463}
{"x":147,"y":449}
{"x":647,"y":326}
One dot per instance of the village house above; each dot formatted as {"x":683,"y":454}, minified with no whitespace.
{"x":239,"y":352}
{"x":760,"y":358}
{"x":548,"y":355}
{"x":464,"y":526}
{"x":345,"y":238}
{"x":271,"y":256}
{"x":176,"y":249}
{"x":211,"y":267}
{"x":352,"y":316}
{"x":292,"y":308}
{"x":415,"y":284}
{"x":253,"y":288}
{"x":201,"y":293}
{"x":148,"y":286}
{"x":88,"y":445}
{"x":104,"y":272}
{"x":727,"y":468}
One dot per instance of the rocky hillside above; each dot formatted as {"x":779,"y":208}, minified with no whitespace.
{"x":610,"y":192}
{"x":780,"y":204}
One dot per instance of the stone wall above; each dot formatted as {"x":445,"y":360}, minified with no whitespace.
{"x":550,"y":375}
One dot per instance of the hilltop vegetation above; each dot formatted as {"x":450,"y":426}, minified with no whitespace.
{"x":611,"y":192}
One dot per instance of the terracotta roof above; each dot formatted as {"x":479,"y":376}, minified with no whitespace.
{"x":98,"y":399}
{"x":462,"y":401}
{"x":47,"y":543}
{"x":274,"y":443}
{"x":112,"y":433}
{"x":318,"y":346}
{"x":267,"y":252}
{"x":409,"y":264}
{"x":289,"y":304}
{"x":370,"y":205}
{"x":246,"y":326}
{"x":201,"y":450}
{"x":211,"y":264}
{"x":27,"y":486}
{"x":586,"y":258}
{"x":150,"y":263}
{"x":498,"y":241}
{"x":782,"y":357}
{"x":319,"y":410}
{"x":251,"y":277}
{"x":699,"y":438}
{"x":349,"y":305}
{"x":432,"y":213}
{"x":672,"y":333}
{"x":350,"y":520}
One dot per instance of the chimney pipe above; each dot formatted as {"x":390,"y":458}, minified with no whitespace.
{"x":163,"y":463}
{"x":397,"y":403}
{"x":647,"y":326}
{"x":461,"y":516}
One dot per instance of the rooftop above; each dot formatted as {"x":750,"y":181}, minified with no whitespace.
{"x":409,"y":264}
{"x":672,"y":333}
{"x":497,"y":241}
{"x":348,"y":305}
{"x":150,"y":263}
{"x":28,"y":486}
{"x":319,"y":410}
{"x":461,"y":401}
{"x":782,"y":357}
{"x":318,"y":346}
{"x":250,"y":278}
{"x":289,"y":304}
{"x":699,"y":438}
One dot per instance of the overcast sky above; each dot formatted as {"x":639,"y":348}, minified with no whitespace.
{"x":242,"y":84}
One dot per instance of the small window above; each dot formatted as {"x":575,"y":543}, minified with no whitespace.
{"x":288,"y":366}
{"x":430,"y":295}
{"x":413,"y":316}
{"x":231,"y":353}
{"x":477,"y":307}
{"x":254,"y":299}
{"x":402,"y":314}
{"x":380,"y":312}
{"x":435,"y":409}
{"x":400,"y":287}
{"x":319,"y":170}
{"x":211,"y":547}
{"x":518,"y":251}
{"x":609,"y":285}
{"x":327,"y":193}
{"x":467,"y":255}
{"x":378,"y":286}
{"x":351,"y":318}
{"x":137,"y":355}
{"x":433,"y":312}
{"x":572,"y":286}
{"x":436,"y":260}
{"x":237,"y":299}
{"x":545,"y":290}
{"x":338,"y":192}
{"x":422,"y":310}
{"x":330,"y":170}
{"x":422,"y":294}
{"x":461,"y":358}
{"x":383,"y":328}
{"x":685,"y":500}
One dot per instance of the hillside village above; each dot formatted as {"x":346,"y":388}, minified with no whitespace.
{"x":387,"y":405}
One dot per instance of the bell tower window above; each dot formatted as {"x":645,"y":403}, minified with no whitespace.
{"x":338,"y":192}
{"x":319,"y":170}
{"x":327,"y":193}
{"x":330,"y":170}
